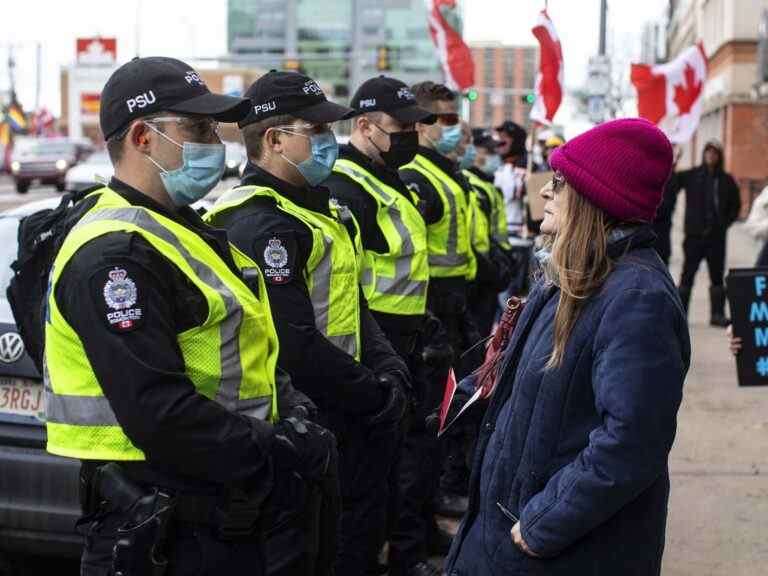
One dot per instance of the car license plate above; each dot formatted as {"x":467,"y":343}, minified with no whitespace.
{"x":23,"y":397}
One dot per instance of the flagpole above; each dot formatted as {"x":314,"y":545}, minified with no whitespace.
{"x":529,"y":171}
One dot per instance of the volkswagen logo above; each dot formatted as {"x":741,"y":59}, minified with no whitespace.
{"x":11,"y":347}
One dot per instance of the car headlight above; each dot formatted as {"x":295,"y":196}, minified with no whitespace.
{"x":15,"y":167}
{"x":61,"y":164}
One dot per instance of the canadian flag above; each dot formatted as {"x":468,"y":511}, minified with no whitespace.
{"x":671,"y":95}
{"x":453,"y":52}
{"x":549,"y":80}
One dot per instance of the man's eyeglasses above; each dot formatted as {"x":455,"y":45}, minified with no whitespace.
{"x":304,"y":129}
{"x":447,"y":118}
{"x":558,"y":181}
{"x":200,"y":128}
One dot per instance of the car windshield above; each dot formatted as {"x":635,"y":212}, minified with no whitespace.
{"x":51,"y":149}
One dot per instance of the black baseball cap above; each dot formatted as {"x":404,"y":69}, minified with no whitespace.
{"x":293,"y":94}
{"x":482,"y":138}
{"x":390,"y":95}
{"x":145,"y":86}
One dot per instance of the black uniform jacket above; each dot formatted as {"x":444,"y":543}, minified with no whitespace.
{"x":329,"y":376}
{"x":349,"y":193}
{"x":189,"y":440}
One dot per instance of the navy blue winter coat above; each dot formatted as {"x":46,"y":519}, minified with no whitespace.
{"x":579,"y":453}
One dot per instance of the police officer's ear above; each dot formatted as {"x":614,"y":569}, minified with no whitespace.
{"x":139,"y":136}
{"x":272,"y":142}
{"x":364,"y":125}
{"x":424,"y":128}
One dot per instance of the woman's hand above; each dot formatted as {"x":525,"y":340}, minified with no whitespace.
{"x":734,"y":343}
{"x":517,"y":537}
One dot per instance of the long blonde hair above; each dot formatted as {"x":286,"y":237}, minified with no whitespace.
{"x":579,"y":264}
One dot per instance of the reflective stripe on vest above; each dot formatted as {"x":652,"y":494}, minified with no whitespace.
{"x":332,"y":272}
{"x":394,"y":282}
{"x":447,"y":238}
{"x":230,"y":358}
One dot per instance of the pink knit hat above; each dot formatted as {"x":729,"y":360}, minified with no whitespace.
{"x":621,"y":166}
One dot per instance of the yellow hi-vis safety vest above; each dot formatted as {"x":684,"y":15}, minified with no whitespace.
{"x":479,"y":220}
{"x":498,"y":216}
{"x":230,"y":358}
{"x":394,"y":282}
{"x":332,"y":271}
{"x":448,"y":238}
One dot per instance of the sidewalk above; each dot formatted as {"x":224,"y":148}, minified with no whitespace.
{"x":718,"y":512}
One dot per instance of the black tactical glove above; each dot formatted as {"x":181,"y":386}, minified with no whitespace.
{"x":397,"y":390}
{"x":304,"y":447}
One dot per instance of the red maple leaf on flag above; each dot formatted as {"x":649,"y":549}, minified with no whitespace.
{"x":686,"y":94}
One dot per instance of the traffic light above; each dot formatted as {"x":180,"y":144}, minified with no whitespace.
{"x":383,"y":63}
{"x":471,"y":95}
{"x":529,"y":98}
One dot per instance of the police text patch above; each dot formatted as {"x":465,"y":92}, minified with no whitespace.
{"x":117,"y":291}
{"x":277,"y":254}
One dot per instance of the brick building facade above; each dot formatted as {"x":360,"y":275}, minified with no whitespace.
{"x":504,"y":75}
{"x":733,"y":113}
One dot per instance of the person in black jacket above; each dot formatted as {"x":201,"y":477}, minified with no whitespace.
{"x":712,"y":204}
{"x":383,"y":139}
{"x":218,"y":458}
{"x":361,"y":395}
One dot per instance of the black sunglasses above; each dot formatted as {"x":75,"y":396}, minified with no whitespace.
{"x":447,"y":118}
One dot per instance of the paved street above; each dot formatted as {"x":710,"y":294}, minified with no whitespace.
{"x":10,"y":198}
{"x":719,"y":505}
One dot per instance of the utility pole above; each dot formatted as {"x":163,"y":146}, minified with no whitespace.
{"x":357,"y":58}
{"x":12,"y":72}
{"x":599,"y":84}
{"x":603,"y":18}
{"x":137,"y":30}
{"x":37,"y":76}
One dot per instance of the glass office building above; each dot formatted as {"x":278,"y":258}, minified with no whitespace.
{"x":338,"y":42}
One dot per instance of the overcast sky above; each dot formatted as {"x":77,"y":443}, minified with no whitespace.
{"x":198,"y":28}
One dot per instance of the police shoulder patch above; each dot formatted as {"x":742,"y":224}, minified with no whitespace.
{"x":277,"y":255}
{"x":117,"y":291}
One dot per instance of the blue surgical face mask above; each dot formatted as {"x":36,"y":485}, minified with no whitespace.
{"x":467,"y":160}
{"x":449,"y":140}
{"x":492,"y":163}
{"x":323,"y":155}
{"x":201,"y":169}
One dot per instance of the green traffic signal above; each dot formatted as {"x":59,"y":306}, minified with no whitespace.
{"x":471,"y":95}
{"x":530,"y":98}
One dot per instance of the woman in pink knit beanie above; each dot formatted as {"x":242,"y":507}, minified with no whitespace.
{"x":570,"y":474}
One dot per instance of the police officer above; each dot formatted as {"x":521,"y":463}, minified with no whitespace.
{"x":396,"y":276}
{"x":488,"y":232}
{"x":160,"y":350}
{"x":487,"y":162}
{"x":432,"y":175}
{"x":435,"y":178}
{"x":309,"y":249}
